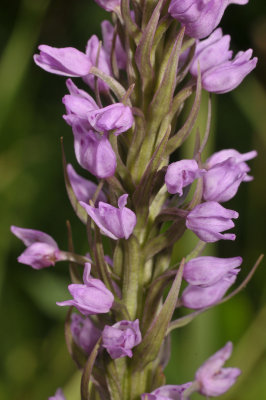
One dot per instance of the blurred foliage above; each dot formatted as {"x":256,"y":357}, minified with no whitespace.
{"x":34,"y":360}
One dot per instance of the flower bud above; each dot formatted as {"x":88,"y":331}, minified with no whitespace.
{"x":167,"y":392}
{"x":116,"y":117}
{"x":199,"y":17}
{"x":65,"y":61}
{"x":117,"y":223}
{"x":208,"y":219}
{"x":198,"y":297}
{"x":180,"y":174}
{"x":120,"y":338}
{"x":212,"y":378}
{"x":91,"y":298}
{"x":220,"y":73}
{"x":41,"y":252}
{"x":84,"y":332}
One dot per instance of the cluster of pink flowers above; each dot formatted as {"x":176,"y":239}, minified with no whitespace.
{"x":97,"y":130}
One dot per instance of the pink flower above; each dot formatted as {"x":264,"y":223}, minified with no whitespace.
{"x":42,"y":250}
{"x":117,"y":223}
{"x":212,"y":378}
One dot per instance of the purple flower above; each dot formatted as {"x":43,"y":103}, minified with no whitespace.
{"x":81,"y":107}
{"x":206,"y":271}
{"x":197,"y":297}
{"x":208,"y":219}
{"x":84,"y":332}
{"x":91,"y":298}
{"x":180,"y":174}
{"x":93,"y":151}
{"x":117,"y":223}
{"x":100,"y":59}
{"x":84,"y":190}
{"x":58,"y":395}
{"x":120,"y":338}
{"x":66,"y":61}
{"x":200,"y":17}
{"x":108,"y":34}
{"x":41,"y":252}
{"x":240,"y":159}
{"x":212,"y":378}
{"x":167,"y":392}
{"x":220,"y":73}
{"x":225,"y":171}
{"x":109,"y":5}
{"x":222,"y":181}
{"x":78,"y":104}
{"x":116,"y":117}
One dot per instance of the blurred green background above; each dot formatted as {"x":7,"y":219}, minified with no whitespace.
{"x":34,"y":360}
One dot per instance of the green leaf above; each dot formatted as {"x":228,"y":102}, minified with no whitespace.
{"x":132,"y":265}
{"x":73,"y":267}
{"x":166,"y":239}
{"x":149,"y":348}
{"x":113,"y":381}
{"x":84,"y":388}
{"x":76,"y":353}
{"x":141,"y":196}
{"x":131,"y":27}
{"x":176,"y":140}
{"x":162,"y":99}
{"x":118,"y":259}
{"x":143,"y":51}
{"x":154,"y":297}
